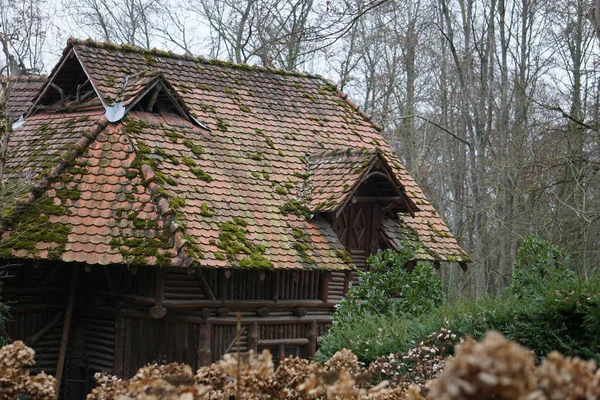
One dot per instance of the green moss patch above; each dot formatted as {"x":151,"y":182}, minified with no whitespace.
{"x":295,"y":207}
{"x":167,"y":156}
{"x":201,"y":174}
{"x":238,"y":248}
{"x":197,"y":150}
{"x":344,"y":256}
{"x":205,"y":210}
{"x":301,"y":245}
{"x":135,"y":251}
{"x":33,"y":226}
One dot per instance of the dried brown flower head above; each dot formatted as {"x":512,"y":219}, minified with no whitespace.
{"x":496,"y":368}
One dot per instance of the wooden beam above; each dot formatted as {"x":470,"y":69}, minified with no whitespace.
{"x":64,"y":341}
{"x":262,"y":312}
{"x":276,"y":275}
{"x":222,"y":285}
{"x":48,"y":277}
{"x":78,"y":93}
{"x":108,"y":277}
{"x":33,"y":339}
{"x":312,"y":339}
{"x":373,"y":199}
{"x":203,"y":284}
{"x":349,"y":276}
{"x":325,"y":279}
{"x":235,"y":340}
{"x":61,"y":92}
{"x":277,"y":342}
{"x":153,"y":98}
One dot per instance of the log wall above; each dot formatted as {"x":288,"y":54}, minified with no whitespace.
{"x":124,"y":319}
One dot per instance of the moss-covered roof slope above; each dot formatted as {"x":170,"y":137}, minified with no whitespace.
{"x":219,"y":180}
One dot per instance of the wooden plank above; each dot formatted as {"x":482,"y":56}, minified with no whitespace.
{"x":66,"y":328}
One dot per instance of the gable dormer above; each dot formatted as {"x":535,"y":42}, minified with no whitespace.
{"x":356,"y":190}
{"x":150,"y":92}
{"x":68,"y":86}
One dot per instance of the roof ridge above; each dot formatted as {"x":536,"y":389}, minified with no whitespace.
{"x":72,"y":41}
{"x":74,"y":151}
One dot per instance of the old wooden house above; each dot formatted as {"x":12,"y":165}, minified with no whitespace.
{"x":154,"y":197}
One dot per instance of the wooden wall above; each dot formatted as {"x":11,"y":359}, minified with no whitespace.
{"x":113,"y":329}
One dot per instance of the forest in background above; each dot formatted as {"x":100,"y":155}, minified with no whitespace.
{"x":491,"y":104}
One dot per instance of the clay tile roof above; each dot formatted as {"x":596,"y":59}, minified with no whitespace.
{"x":220,"y":187}
{"x":22,"y":91}
{"x":334,"y":175}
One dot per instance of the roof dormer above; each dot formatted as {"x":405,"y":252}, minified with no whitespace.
{"x":356,"y":189}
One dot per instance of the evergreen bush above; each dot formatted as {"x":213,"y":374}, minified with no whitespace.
{"x":546,"y":308}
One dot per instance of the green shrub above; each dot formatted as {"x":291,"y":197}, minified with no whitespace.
{"x":539,"y":266}
{"x":389,"y":287}
{"x":547,"y":309}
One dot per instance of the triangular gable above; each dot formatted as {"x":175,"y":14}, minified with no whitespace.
{"x":150,"y":91}
{"x":68,"y":86}
{"x":334,"y":179}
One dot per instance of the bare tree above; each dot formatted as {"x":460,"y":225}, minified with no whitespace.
{"x":23,"y":35}
{"x":129,"y":21}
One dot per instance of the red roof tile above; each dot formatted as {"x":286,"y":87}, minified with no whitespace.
{"x":21,"y":93}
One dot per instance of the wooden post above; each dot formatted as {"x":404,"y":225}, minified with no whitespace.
{"x":223,"y":283}
{"x":312,"y":339}
{"x":204,"y":342}
{"x":276,"y":275}
{"x":325,"y":286}
{"x":349,"y":276}
{"x":118,"y":366}
{"x":158,"y":311}
{"x":253,"y":337}
{"x":64,"y":341}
